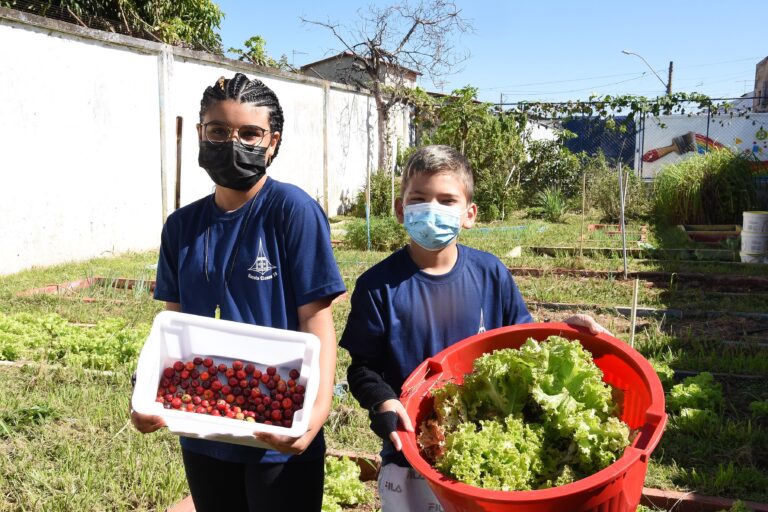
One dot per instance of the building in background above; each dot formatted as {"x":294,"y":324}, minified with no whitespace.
{"x":345,"y":69}
{"x":760,"y":101}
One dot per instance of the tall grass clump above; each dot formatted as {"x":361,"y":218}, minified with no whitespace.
{"x":550,"y":204}
{"x":713,"y":188}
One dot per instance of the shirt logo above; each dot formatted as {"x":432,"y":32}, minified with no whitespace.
{"x":482,"y":323}
{"x":262,"y":266}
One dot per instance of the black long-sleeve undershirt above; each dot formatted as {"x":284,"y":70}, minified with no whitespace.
{"x":367,"y":384}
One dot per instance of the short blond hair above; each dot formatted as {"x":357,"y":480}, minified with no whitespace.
{"x":439,"y":159}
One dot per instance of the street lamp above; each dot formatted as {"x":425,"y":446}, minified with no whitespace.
{"x":667,"y":85}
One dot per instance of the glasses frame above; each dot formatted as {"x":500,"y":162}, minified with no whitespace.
{"x":231,"y":130}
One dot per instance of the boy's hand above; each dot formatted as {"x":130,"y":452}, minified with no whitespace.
{"x":387,"y":415}
{"x":582,"y":320}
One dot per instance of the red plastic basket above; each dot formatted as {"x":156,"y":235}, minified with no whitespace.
{"x":616,"y":488}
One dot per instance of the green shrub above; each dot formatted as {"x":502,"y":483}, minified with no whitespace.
{"x":386,"y":234}
{"x":603,"y":194}
{"x":551,"y":165}
{"x":381,"y":195}
{"x":713,"y":188}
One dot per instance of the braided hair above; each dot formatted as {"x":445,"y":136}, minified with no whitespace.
{"x":241,"y":89}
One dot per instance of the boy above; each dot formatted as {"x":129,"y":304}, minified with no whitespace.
{"x":418,"y":301}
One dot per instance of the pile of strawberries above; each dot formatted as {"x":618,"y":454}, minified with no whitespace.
{"x":241,"y":392}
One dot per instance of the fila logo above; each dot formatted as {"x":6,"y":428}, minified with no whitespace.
{"x":436,"y":507}
{"x":413,"y":475}
{"x":391,"y":487}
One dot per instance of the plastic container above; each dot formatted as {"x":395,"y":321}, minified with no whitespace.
{"x":753,"y":258}
{"x":616,"y":488}
{"x":755,"y":222}
{"x":179,"y":336}
{"x":754,"y":243}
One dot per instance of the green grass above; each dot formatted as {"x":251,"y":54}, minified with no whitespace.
{"x":65,"y":443}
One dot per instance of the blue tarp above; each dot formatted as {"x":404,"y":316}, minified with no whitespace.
{"x":593,"y":136}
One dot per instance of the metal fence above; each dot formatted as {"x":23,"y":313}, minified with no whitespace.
{"x":647,"y":143}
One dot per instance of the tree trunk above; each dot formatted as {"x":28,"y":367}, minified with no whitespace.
{"x":382,"y":122}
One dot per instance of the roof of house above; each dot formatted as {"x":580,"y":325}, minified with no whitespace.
{"x":347,"y":54}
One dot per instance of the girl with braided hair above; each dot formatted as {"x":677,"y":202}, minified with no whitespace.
{"x":256,"y":251}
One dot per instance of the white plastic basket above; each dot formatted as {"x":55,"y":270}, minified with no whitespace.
{"x":180,"y":336}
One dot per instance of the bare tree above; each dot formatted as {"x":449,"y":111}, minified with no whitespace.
{"x":390,"y":43}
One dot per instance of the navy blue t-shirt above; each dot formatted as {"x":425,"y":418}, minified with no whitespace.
{"x":401,"y":315}
{"x":279,"y":243}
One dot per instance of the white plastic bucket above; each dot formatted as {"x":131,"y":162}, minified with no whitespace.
{"x":753,"y":258}
{"x":755,"y":222}
{"x":754,"y":243}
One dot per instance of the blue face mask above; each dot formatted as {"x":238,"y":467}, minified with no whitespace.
{"x":432,"y":226}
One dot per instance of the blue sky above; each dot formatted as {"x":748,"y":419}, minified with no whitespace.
{"x":550,"y":50}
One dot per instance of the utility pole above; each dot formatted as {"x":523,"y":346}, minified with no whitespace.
{"x":669,"y":81}
{"x":668,"y":84}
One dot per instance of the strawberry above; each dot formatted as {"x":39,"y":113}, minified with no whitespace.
{"x":249,"y":368}
{"x":257,"y":374}
{"x":208,"y":362}
{"x":176,"y":403}
{"x":240,"y":374}
{"x":237,"y":365}
{"x":197,"y":361}
{"x":178,"y":366}
{"x":189,"y":366}
{"x":294,"y":374}
{"x":222,"y":368}
{"x":168,"y":373}
{"x":271,"y":370}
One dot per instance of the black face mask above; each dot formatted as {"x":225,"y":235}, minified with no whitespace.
{"x":232,"y":165}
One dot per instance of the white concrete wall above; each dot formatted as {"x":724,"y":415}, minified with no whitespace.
{"x":89,"y":131}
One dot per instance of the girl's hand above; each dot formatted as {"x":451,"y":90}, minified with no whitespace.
{"x":285,"y":444}
{"x":145,"y":423}
{"x":582,"y":320}
{"x":395,"y":406}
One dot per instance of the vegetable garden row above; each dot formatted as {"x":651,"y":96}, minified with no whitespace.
{"x":65,"y":440}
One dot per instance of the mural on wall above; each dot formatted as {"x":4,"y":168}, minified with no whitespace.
{"x":671,"y":138}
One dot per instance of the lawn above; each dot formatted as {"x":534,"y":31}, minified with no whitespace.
{"x":66,"y":443}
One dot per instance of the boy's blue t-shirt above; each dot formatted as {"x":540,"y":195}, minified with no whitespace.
{"x":401,"y":316}
{"x":280,"y":241}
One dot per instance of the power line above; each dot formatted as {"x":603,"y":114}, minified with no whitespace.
{"x":560,"y":81}
{"x":512,"y":93}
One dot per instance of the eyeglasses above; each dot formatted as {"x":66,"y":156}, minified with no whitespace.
{"x":249,"y":136}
